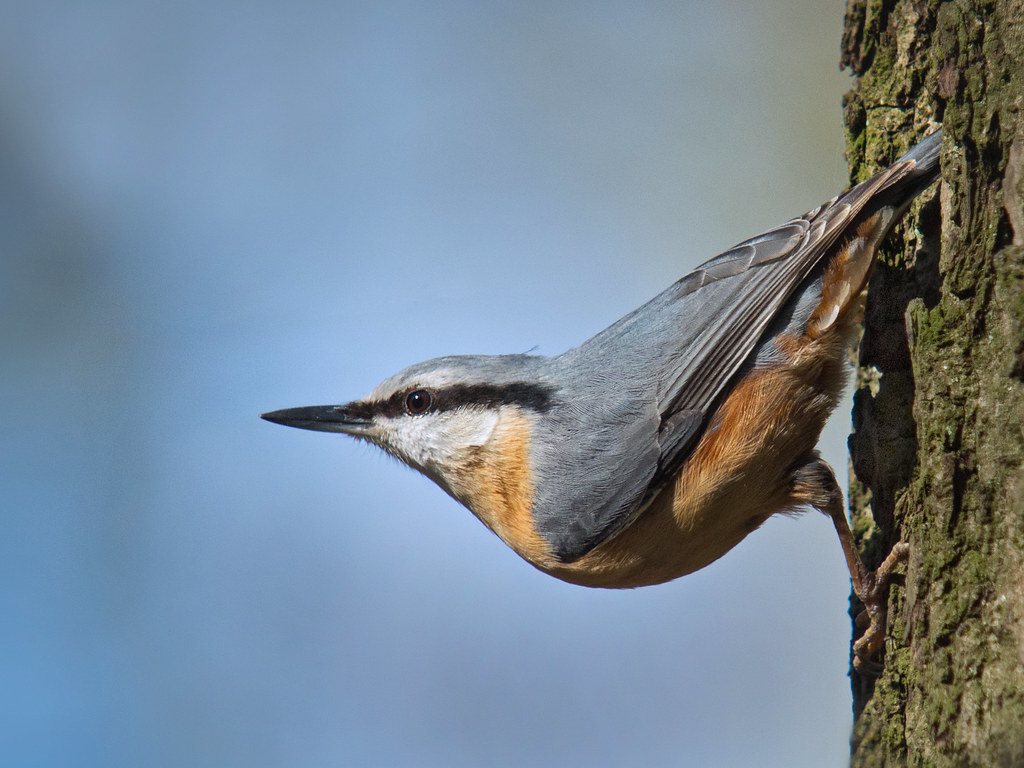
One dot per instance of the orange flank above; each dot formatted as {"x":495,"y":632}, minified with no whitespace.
{"x":847,"y":276}
{"x":775,"y":414}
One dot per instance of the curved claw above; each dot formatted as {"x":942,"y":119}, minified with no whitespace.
{"x":814,"y":483}
{"x":873,"y":591}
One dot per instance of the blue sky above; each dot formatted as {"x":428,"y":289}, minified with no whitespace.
{"x":213,"y":210}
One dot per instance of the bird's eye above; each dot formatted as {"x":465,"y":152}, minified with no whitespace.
{"x":418,"y":401}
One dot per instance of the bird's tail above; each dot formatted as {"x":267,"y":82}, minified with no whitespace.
{"x":921,"y":170}
{"x":847,"y":274}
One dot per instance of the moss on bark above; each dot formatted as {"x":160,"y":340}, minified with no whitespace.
{"x":938,"y":443}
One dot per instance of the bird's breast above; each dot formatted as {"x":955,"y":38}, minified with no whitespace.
{"x":495,"y":481}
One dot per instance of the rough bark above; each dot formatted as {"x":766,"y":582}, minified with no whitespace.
{"x":938,"y":443}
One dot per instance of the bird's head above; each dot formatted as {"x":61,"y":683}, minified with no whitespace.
{"x":463,"y":421}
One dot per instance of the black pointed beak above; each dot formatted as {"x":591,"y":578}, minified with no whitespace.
{"x":324,"y":418}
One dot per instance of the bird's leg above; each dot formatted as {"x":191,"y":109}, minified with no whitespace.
{"x":816,"y":484}
{"x":871,"y":588}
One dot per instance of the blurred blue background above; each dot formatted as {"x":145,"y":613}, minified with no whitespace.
{"x":210,"y":210}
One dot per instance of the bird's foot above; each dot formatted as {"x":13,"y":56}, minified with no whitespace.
{"x":873,"y":591}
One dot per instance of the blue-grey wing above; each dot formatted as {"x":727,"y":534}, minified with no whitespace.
{"x":645,"y":388}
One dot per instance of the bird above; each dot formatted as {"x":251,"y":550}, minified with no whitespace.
{"x":654,"y":447}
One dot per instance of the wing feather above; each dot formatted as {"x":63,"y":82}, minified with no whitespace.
{"x":668,"y":363}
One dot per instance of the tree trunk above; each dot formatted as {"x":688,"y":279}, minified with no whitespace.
{"x":938,"y":443}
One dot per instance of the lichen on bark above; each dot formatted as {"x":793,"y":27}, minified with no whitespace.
{"x":938,"y":443}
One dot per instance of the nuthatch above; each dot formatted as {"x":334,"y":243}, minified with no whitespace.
{"x":656,"y":446}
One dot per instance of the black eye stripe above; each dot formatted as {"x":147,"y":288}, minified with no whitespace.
{"x":534,"y":397}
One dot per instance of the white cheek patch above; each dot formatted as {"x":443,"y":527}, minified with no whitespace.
{"x":433,"y":441}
